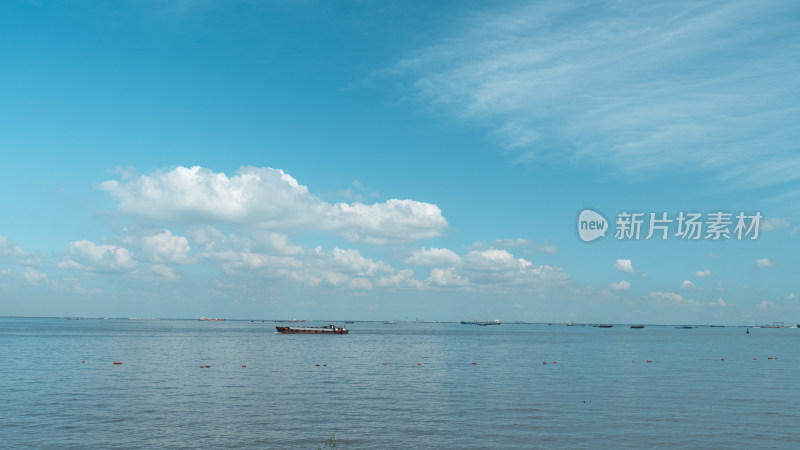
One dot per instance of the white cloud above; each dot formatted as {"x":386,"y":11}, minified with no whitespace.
{"x":671,"y":298}
{"x":268,"y":199}
{"x":718,"y":302}
{"x":624,"y":265}
{"x":446,"y":278}
{"x":101,"y":258}
{"x":763,"y":263}
{"x":621,"y":286}
{"x":33,"y":276}
{"x":774,"y":223}
{"x":765,"y":305}
{"x":545,"y":247}
{"x":164,"y":271}
{"x":433,"y":257}
{"x":10,"y":251}
{"x":360,"y":283}
{"x":687,"y":285}
{"x":167,"y":248}
{"x":703,"y":273}
{"x":401,"y":278}
{"x":617,"y":84}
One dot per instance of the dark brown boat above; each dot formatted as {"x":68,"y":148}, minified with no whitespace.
{"x":329,"y":329}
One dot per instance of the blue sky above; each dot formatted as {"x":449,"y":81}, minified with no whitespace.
{"x":367,"y":160}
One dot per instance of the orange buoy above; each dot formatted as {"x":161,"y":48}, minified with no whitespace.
{"x":244,"y":365}
{"x":649,"y":360}
{"x":722,"y":359}
{"x":554,"y":362}
{"x":117,"y":362}
{"x":208,"y":367}
{"x":384,"y":364}
{"x":317,"y":365}
{"x":544,"y":362}
{"x":324,"y":365}
{"x":419,"y":364}
{"x":83,"y":361}
{"x":474,"y":363}
{"x":755,"y":359}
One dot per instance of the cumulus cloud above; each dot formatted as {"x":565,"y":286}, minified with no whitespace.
{"x":687,"y":285}
{"x":621,"y":286}
{"x":703,"y":273}
{"x":671,"y":298}
{"x":33,"y":276}
{"x":268,"y":199}
{"x":763,"y":263}
{"x":166,"y":248}
{"x":718,"y":302}
{"x":164,"y":271}
{"x":446,"y":278}
{"x":102,"y":258}
{"x":766,"y":304}
{"x":526,"y":245}
{"x":401,"y":278}
{"x":433,"y":257}
{"x":624,"y":265}
{"x":9,"y":251}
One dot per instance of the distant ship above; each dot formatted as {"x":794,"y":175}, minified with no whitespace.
{"x":482,"y":323}
{"x":206,"y":319}
{"x":329,"y":329}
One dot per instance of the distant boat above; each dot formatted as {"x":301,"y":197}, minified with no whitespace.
{"x":348,"y":321}
{"x":685,"y":327}
{"x":391,"y":322}
{"x":717,"y":326}
{"x":637,"y":326}
{"x":603,"y":326}
{"x":298,"y":320}
{"x":206,"y":319}
{"x":482,"y":323}
{"x":569,"y":324}
{"x":329,"y":329}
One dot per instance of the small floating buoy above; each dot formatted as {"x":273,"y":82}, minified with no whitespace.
{"x":649,"y":360}
{"x":384,"y":364}
{"x":554,"y":362}
{"x":755,"y":359}
{"x":722,"y":359}
{"x":544,"y":362}
{"x":419,"y":364}
{"x":317,"y":365}
{"x":83,"y":361}
{"x":474,"y":363}
{"x":117,"y":362}
{"x":244,"y":365}
{"x":208,"y":367}
{"x":325,"y":365}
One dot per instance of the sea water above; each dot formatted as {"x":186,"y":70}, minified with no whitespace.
{"x":406,"y":385}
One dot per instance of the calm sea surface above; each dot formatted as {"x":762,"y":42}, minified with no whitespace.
{"x":373,"y":392}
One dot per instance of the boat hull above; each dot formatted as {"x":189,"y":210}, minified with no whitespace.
{"x":312,"y":330}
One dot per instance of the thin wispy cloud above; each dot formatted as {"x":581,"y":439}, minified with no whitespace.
{"x":637,"y":87}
